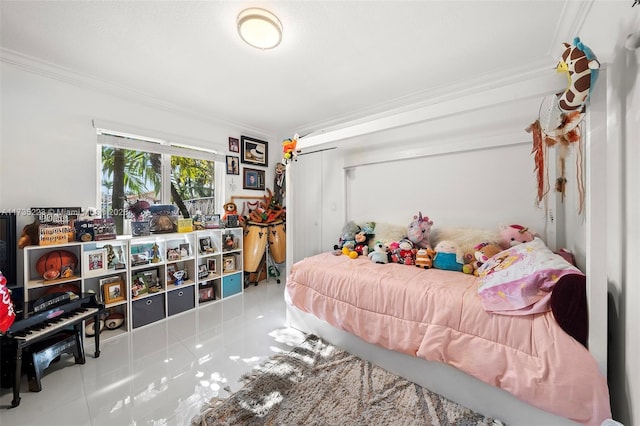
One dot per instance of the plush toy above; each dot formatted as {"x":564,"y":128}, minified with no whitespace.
{"x":289,"y":149}
{"x":379,"y":253}
{"x":484,"y":252}
{"x":403,"y":252}
{"x":348,"y":252}
{"x":229,"y":209}
{"x":514,"y":234}
{"x":582,"y":68}
{"x":348,"y":236}
{"x":362,"y":241}
{"x":419,"y":231}
{"x":29,"y":235}
{"x":369,"y":228}
{"x":447,"y":256}
{"x":424,"y":258}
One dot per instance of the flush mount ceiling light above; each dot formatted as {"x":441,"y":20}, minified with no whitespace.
{"x":259,"y":28}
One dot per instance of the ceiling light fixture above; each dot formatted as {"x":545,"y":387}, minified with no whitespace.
{"x":259,"y":28}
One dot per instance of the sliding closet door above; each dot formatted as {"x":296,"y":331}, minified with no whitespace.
{"x":304,"y":207}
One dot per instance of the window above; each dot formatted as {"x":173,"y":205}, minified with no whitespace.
{"x":136,"y":172}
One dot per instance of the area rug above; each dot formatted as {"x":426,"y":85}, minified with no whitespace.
{"x":319,"y":384}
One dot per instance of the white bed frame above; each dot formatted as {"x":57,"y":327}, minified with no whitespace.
{"x":448,"y":381}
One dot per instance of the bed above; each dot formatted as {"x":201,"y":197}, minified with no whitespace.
{"x":437,"y":316}
{"x":410,"y":158}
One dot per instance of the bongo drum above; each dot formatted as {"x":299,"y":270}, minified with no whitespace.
{"x":277,"y":242}
{"x":254,"y":245}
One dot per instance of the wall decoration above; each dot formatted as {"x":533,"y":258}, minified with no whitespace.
{"x":560,"y":117}
{"x":234,"y":145}
{"x":233,"y":167}
{"x":253,"y":179}
{"x":254,"y":151}
{"x":290,"y":150}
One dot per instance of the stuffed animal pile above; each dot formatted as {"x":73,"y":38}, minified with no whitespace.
{"x":465,"y":250}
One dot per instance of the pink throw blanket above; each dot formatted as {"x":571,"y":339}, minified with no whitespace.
{"x":437,"y":315}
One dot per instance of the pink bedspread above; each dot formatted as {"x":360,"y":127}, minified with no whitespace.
{"x":437,"y":315}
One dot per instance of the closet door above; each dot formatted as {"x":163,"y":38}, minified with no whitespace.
{"x":304,"y":207}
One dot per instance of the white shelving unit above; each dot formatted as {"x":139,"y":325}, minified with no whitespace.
{"x":87,"y":265}
{"x":211,"y":261}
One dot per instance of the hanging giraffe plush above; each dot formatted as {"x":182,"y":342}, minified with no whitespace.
{"x":561,"y":114}
{"x":582,"y":68}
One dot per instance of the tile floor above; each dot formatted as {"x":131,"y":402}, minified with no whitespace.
{"x":161,"y":374}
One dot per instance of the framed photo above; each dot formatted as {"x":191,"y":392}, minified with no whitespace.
{"x":203,"y":271}
{"x":253,"y":179}
{"x":185,"y":250}
{"x":204,"y":245}
{"x":94,"y":262}
{"x":212,"y":221}
{"x":212,"y":265}
{"x":139,"y":286}
{"x":113,"y":291}
{"x":171,"y":269}
{"x":233,"y":165}
{"x":254,"y":151}
{"x":229,"y":264}
{"x":234,"y":145}
{"x":205,"y":294}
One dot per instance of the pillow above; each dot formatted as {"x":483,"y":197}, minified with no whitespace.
{"x":519,"y":280}
{"x":465,"y":238}
{"x":387,"y":233}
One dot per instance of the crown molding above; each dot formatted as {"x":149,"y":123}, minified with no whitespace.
{"x":56,"y":72}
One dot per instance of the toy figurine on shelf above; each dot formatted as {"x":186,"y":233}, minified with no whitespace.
{"x":155,"y":253}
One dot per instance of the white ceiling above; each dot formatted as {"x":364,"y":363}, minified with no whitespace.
{"x":338,"y":61}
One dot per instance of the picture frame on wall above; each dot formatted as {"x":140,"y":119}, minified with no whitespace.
{"x":233,"y":165}
{"x":94,"y":262}
{"x":234,"y":145}
{"x":254,"y":151}
{"x":253,"y":179}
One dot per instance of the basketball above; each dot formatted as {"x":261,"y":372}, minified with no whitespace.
{"x":56,"y":263}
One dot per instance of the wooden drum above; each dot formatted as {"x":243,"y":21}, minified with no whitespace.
{"x":254,"y":245}
{"x":277,"y":242}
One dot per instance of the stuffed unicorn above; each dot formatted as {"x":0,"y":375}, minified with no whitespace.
{"x":419,"y":231}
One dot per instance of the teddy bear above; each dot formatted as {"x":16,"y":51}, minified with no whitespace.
{"x":379,"y":253}
{"x":447,"y":256}
{"x":484,"y":251}
{"x":229,"y":209}
{"x":348,"y":236}
{"x":514,"y":234}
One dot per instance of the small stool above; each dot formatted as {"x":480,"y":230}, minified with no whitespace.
{"x":40,"y":355}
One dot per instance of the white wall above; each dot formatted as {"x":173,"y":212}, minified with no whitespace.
{"x":623,"y":229}
{"x":477,"y":188}
{"x":48,"y":153}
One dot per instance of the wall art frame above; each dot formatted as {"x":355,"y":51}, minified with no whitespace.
{"x":253,"y":179}
{"x":254,"y":151}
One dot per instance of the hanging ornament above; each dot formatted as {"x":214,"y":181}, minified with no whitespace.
{"x":560,"y":117}
{"x":289,"y":150}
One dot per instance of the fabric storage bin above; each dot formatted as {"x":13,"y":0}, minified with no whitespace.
{"x":147,"y":310}
{"x":231,"y":284}
{"x":181,"y":299}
